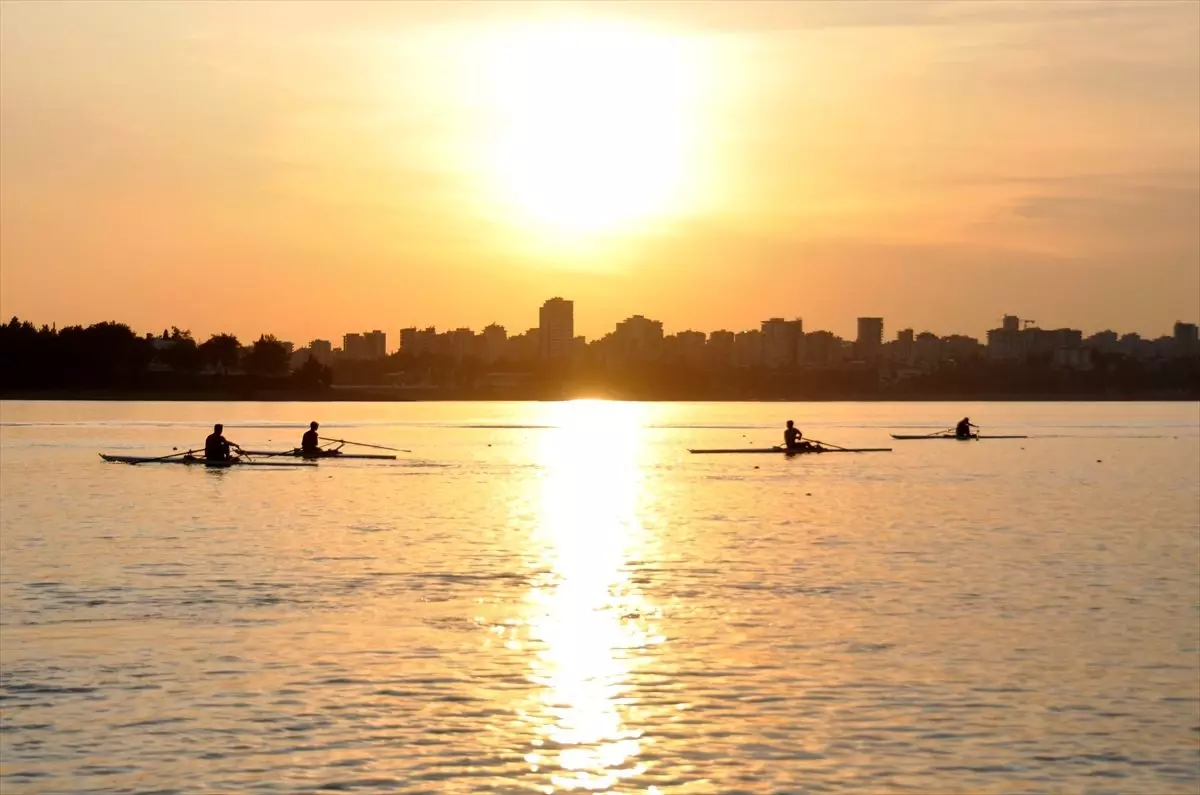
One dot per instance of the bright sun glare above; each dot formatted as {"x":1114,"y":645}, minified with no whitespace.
{"x":593,"y":124}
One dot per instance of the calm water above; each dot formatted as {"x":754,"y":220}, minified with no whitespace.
{"x":558,"y":597}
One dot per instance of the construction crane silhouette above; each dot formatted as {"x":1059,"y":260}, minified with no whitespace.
{"x":1024,"y":323}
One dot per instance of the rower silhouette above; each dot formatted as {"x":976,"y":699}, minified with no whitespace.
{"x":793,"y":439}
{"x":216,"y":447}
{"x":310,"y":443}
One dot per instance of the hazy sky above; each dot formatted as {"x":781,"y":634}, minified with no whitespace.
{"x":309,"y":169}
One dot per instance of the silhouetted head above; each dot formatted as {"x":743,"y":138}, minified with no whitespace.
{"x":218,"y":428}
{"x":790,"y":423}
{"x":312,"y":426}
{"x":966,"y":419}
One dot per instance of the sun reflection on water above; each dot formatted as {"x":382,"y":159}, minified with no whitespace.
{"x":588,"y":623}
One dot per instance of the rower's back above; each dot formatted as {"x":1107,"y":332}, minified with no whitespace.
{"x":215,"y":447}
{"x":311,"y":442}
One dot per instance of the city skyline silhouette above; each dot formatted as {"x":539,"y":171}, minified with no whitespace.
{"x":312,"y":168}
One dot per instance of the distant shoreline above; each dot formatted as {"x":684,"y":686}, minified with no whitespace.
{"x":391,"y":395}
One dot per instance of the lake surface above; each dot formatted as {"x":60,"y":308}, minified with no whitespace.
{"x":557,"y":597}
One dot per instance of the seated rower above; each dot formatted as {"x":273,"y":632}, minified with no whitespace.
{"x":216,"y":447}
{"x":310,"y":443}
{"x":963,"y":429}
{"x":794,"y":440}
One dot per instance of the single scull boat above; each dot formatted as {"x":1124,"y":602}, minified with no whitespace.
{"x":951,"y":436}
{"x":785,"y":451}
{"x":198,"y":461}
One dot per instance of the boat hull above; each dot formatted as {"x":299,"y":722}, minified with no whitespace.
{"x":951,"y":437}
{"x":326,"y":456}
{"x":785,"y":451}
{"x":195,"y":461}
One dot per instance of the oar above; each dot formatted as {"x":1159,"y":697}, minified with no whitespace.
{"x":165,"y":457}
{"x":939,"y":433}
{"x":293,"y":451}
{"x":827,"y":444}
{"x":364,"y":444}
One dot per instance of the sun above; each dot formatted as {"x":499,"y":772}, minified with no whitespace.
{"x":592,"y":125}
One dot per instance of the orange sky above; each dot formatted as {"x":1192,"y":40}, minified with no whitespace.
{"x":309,"y":169}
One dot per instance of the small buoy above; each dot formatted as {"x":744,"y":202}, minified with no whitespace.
{"x":808,"y":494}
{"x":1098,"y":461}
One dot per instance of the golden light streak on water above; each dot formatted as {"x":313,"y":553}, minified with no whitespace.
{"x":587,"y":620}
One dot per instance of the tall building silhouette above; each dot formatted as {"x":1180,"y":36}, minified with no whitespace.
{"x":376,"y":344}
{"x":638,"y":338}
{"x":556,"y":327}
{"x":322,"y":350}
{"x":367,"y":345}
{"x":495,"y":342}
{"x":1187,"y":339}
{"x":781,"y":342}
{"x":1185,"y":332}
{"x":870,"y":338}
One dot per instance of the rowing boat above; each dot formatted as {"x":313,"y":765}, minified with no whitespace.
{"x":197,"y":461}
{"x":951,"y":436}
{"x":785,"y":451}
{"x":297,"y":453}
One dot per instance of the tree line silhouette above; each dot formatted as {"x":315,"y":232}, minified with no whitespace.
{"x":111,"y":355}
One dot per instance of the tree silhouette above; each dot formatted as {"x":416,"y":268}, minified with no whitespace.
{"x":221,"y":351}
{"x":182,"y":355}
{"x":267,"y":357}
{"x":313,"y":373}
